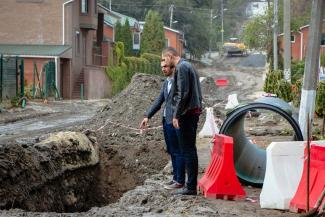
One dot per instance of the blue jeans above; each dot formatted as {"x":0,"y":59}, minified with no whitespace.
{"x":186,"y":135}
{"x":174,"y":152}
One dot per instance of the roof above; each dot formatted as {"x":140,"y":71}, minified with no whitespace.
{"x":108,"y":20}
{"x":33,"y":50}
{"x":112,"y":17}
{"x":165,"y":28}
{"x":305,"y":26}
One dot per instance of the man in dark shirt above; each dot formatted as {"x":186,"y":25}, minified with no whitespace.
{"x":169,"y":130}
{"x":187,"y":105}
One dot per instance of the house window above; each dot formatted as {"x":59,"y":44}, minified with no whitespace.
{"x":136,"y":40}
{"x":84,"y":6}
{"x":322,"y":42}
{"x":166,"y":42}
{"x":293,"y":38}
{"x":77,"y":43}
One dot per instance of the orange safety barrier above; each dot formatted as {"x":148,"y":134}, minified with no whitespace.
{"x":316,"y":180}
{"x":221,"y":82}
{"x":220,"y":180}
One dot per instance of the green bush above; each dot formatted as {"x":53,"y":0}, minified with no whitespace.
{"x":118,"y":75}
{"x":15,"y":101}
{"x":297,"y":71}
{"x":271,"y":81}
{"x":296,"y":92}
{"x":284,"y":90}
{"x":119,"y":52}
{"x":320,"y":99}
{"x":154,"y":61}
{"x":122,"y":73}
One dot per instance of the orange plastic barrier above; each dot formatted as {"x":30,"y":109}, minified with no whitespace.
{"x":316,"y":180}
{"x":220,"y":180}
{"x":221,"y":82}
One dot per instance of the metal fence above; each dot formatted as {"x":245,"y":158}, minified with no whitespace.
{"x":11,"y":72}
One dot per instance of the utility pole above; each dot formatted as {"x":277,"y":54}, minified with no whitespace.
{"x":222,"y":30}
{"x":275,"y":35}
{"x":171,"y":9}
{"x":210,"y":31}
{"x":308,"y":94}
{"x":287,"y":40}
{"x":110,"y":5}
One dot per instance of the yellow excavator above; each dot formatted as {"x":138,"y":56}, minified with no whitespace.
{"x":234,"y":46}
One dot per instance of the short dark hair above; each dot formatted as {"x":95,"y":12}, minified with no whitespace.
{"x":170,"y":50}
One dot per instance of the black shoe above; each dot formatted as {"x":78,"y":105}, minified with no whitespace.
{"x":185,"y":191}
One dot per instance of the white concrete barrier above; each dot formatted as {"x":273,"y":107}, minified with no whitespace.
{"x":210,"y":127}
{"x":284,"y":164}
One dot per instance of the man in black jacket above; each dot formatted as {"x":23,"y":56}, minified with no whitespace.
{"x":169,"y":131}
{"x":187,"y":105}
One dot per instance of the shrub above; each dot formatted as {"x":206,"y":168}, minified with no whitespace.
{"x":284,"y":90}
{"x":271,"y":81}
{"x":118,"y":75}
{"x":297,"y":71}
{"x":154,"y":61}
{"x":320,"y":99}
{"x":296,"y":92}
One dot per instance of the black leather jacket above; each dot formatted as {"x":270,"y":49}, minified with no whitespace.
{"x":186,"y":89}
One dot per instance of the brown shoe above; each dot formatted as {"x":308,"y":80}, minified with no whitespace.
{"x":175,"y":185}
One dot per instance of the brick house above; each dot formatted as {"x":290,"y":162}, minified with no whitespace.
{"x":299,"y":41}
{"x":67,"y":32}
{"x":110,"y":20}
{"x":175,"y":39}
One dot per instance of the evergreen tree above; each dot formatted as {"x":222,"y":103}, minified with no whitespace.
{"x":127,"y":38}
{"x":153,"y":37}
{"x":118,"y":32}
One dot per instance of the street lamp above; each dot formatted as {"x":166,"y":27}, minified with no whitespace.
{"x":222,"y":30}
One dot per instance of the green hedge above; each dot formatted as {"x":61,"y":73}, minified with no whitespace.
{"x":136,"y":65}
{"x":155,"y":62}
{"x":118,"y":76}
{"x":121,"y":73}
{"x":320,"y":99}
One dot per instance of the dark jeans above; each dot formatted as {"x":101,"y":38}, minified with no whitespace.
{"x":186,"y":135}
{"x":174,"y":152}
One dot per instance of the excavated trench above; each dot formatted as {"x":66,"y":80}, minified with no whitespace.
{"x":90,"y":167}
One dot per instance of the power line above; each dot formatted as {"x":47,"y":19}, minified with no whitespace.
{"x":200,"y":10}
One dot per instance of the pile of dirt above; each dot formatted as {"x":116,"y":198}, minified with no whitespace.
{"x":127,"y":155}
{"x":42,"y":176}
{"x":126,"y":158}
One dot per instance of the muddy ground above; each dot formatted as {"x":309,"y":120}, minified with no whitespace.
{"x":127,"y":180}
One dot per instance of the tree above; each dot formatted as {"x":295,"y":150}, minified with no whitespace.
{"x":255,"y":34}
{"x":127,"y":38}
{"x":118,"y":32}
{"x":153,"y":37}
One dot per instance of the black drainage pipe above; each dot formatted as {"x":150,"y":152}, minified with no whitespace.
{"x":250,"y":160}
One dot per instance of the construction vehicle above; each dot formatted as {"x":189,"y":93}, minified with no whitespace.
{"x":234,"y":46}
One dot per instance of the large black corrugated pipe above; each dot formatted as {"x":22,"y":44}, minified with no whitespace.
{"x":250,"y":160}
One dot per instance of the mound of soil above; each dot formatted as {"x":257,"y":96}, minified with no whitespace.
{"x":32,"y":177}
{"x":127,"y":155}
